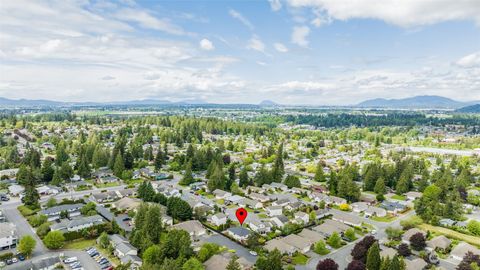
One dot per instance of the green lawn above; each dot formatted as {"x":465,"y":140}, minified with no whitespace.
{"x":80,"y":244}
{"x":300,"y":259}
{"x":383,"y":219}
{"x":114,"y":184}
{"x":399,"y":197}
{"x":451,"y":234}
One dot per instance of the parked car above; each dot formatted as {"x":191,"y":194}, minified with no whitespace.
{"x":70,"y":260}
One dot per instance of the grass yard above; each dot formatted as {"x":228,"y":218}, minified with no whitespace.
{"x":300,"y":259}
{"x":451,"y":234}
{"x":384,"y":219}
{"x":80,"y":244}
{"x":114,"y":184}
{"x":399,"y":197}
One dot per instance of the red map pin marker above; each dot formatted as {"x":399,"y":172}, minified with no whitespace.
{"x":241,"y":215}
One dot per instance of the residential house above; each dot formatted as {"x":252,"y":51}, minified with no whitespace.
{"x":459,"y":251}
{"x":133,"y":259}
{"x":412,"y":195}
{"x":77,"y":224}
{"x":406,"y":236}
{"x":415,"y":264}
{"x":259,"y":197}
{"x":301,"y":217}
{"x":104,"y":197}
{"x":221,"y":194}
{"x":311,"y":235}
{"x":53,"y":213}
{"x":300,"y":243}
{"x":279,"y":221}
{"x":127,"y":204}
{"x":359,"y":207}
{"x":193,"y":227}
{"x":15,"y":190}
{"x":373,"y":211}
{"x":259,"y":226}
{"x":8,"y":235}
{"x":238,"y":233}
{"x":219,"y":219}
{"x":283,"y":247}
{"x":439,"y":243}
{"x":329,"y":227}
{"x":347,"y":218}
{"x":393,"y":207}
{"x":274,"y":211}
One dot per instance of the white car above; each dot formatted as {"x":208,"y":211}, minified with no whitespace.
{"x":70,"y":260}
{"x":253,"y":253}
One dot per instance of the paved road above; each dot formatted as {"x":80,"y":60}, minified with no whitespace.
{"x":23,"y":228}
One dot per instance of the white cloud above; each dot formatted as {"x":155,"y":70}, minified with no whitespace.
{"x":237,"y":15}
{"x":256,"y":44}
{"x":206,"y":45}
{"x":299,"y":35}
{"x":280,"y":47}
{"x":276,"y":5}
{"x":469,"y":61}
{"x":404,"y":13}
{"x":147,"y":20}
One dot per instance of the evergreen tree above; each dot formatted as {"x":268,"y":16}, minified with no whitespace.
{"x":231,"y":177}
{"x":217,"y":180}
{"x":373,"y":257}
{"x":47,"y":170}
{"x":243,"y":178}
{"x":380,"y":186}
{"x":278,"y":167}
{"x":119,"y":166}
{"x":233,"y":264}
{"x":187,"y":177}
{"x":319,"y":174}
{"x":158,"y":162}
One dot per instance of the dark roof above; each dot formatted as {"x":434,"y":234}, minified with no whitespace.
{"x":240,"y":231}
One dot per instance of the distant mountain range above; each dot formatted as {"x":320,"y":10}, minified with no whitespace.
{"x":419,"y":102}
{"x":42,"y":102}
{"x":268,"y":103}
{"x":470,"y":109}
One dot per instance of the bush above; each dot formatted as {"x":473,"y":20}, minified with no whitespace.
{"x":411,"y":222}
{"x":43,"y":229}
{"x":320,"y":248}
{"x":37,"y":220}
{"x":6,"y":256}
{"x":417,"y":241}
{"x":25,"y":211}
{"x":54,"y":240}
{"x":334,"y":240}
{"x":404,"y":250}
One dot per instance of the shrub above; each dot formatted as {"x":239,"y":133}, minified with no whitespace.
{"x":43,"y":229}
{"x":404,"y":250}
{"x":25,"y":211}
{"x":417,"y":241}
{"x":411,"y":222}
{"x":54,"y":240}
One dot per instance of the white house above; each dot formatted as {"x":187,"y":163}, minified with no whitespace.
{"x":8,"y":235}
{"x":302,"y":216}
{"x":274,"y":211}
{"x":219,"y":219}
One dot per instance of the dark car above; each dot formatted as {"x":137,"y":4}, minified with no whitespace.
{"x":21,"y":257}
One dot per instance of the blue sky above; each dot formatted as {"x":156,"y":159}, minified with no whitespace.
{"x":315,"y":52}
